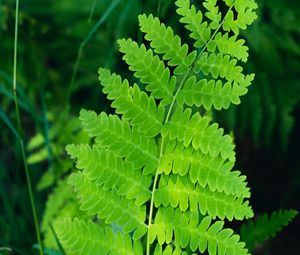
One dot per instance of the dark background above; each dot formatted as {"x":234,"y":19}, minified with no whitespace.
{"x":266,"y":124}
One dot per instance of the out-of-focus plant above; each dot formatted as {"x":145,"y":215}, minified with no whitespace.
{"x":274,"y":42}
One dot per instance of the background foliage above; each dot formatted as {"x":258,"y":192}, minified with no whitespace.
{"x":57,"y":36}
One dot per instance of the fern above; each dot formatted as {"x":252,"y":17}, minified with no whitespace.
{"x":158,"y":178}
{"x":264,"y":227}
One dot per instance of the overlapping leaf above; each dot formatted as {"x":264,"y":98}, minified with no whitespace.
{"x":163,"y":41}
{"x":195,"y":231}
{"x":229,"y":45}
{"x":88,"y":238}
{"x":214,"y":172}
{"x":180,"y":192}
{"x":108,"y":205}
{"x":115,"y":134}
{"x":196,"y":131}
{"x":245,"y":16}
{"x":149,"y":69}
{"x":135,"y":105}
{"x":193,"y":20}
{"x":105,"y":168}
{"x":212,"y":93}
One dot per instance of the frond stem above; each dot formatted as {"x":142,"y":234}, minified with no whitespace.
{"x":167,"y":119}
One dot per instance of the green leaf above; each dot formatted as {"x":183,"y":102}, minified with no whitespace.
{"x":180,"y":192}
{"x":199,"y":233}
{"x":163,"y":41}
{"x":213,"y":172}
{"x":196,"y":131}
{"x":149,"y":69}
{"x":109,"y":206}
{"x":117,"y":135}
{"x":88,"y":238}
{"x":105,"y":168}
{"x":135,"y":105}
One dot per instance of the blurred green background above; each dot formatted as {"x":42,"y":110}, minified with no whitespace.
{"x":61,"y":46}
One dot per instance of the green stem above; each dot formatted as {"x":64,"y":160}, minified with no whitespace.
{"x":15,"y":68}
{"x":166,"y":120}
{"x":29,"y":186}
{"x":70,"y":88}
{"x":93,"y":7}
{"x":61,"y":249}
{"x":160,"y":156}
{"x":32,"y":202}
{"x":6,"y":249}
{"x":158,"y":8}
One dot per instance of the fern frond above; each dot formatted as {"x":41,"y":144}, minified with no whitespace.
{"x":245,"y":15}
{"x":149,"y":69}
{"x":193,"y":20}
{"x":135,"y":105}
{"x":201,"y":30}
{"x":229,"y":46}
{"x":199,"y":233}
{"x":176,"y":191}
{"x":87,"y":238}
{"x":105,"y":168}
{"x":264,"y":227}
{"x":212,"y":13}
{"x":208,"y":93}
{"x":186,"y":160}
{"x":214,"y":172}
{"x":117,"y":136}
{"x":219,"y":65}
{"x":222,"y":66}
{"x":196,"y":131}
{"x":163,"y":41}
{"x":108,"y":205}
{"x":212,"y":92}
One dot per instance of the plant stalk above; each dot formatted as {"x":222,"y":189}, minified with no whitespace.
{"x":29,"y":186}
{"x":158,"y":8}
